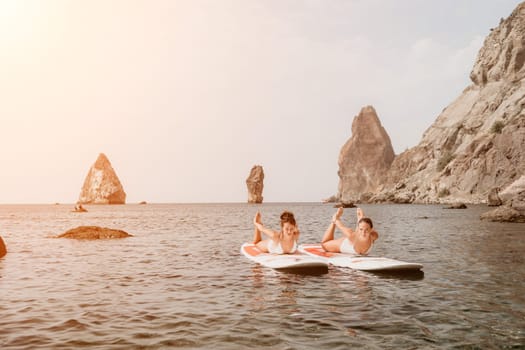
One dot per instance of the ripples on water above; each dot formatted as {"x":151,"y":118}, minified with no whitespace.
{"x":181,"y":281}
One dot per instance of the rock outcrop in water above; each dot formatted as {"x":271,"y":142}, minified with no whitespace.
{"x":3,"y":249}
{"x":513,"y":199}
{"x":514,"y":194}
{"x":476,"y":145}
{"x":102,"y":185}
{"x":255,"y":184}
{"x":365,"y":158}
{"x":93,"y":232}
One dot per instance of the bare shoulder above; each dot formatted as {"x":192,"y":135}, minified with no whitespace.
{"x":374,"y":235}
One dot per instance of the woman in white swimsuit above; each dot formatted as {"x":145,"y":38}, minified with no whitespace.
{"x":358,"y":242}
{"x":283,"y":242}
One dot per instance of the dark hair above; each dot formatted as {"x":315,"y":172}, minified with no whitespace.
{"x":367,"y":220}
{"x":287,"y":216}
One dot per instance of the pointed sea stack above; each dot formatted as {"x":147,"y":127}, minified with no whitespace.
{"x":365,"y":158}
{"x":102,"y":185}
{"x":255,"y":184}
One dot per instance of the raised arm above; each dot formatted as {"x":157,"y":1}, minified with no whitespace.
{"x":360,"y":214}
{"x":257,"y":222}
{"x":373,"y":233}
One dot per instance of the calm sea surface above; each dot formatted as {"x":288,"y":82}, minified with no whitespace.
{"x":181,"y":282}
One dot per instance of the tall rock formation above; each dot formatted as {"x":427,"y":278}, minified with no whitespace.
{"x":102,"y":185}
{"x":476,"y":145}
{"x":255,"y":185}
{"x":365,"y":157}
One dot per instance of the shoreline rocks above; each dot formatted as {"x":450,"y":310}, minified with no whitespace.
{"x":344,"y":205}
{"x":331,"y":199}
{"x":513,"y":208}
{"x":456,"y":206}
{"x":514,"y":194}
{"x":493,"y":199}
{"x":503,"y":214}
{"x":93,"y":232}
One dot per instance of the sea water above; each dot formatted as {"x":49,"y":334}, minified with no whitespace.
{"x":181,"y":282}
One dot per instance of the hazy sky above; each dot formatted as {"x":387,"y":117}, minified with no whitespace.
{"x":185,"y":96}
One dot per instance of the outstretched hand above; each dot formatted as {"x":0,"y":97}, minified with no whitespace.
{"x":360,"y":214}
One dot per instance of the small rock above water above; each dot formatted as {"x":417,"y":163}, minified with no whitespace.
{"x":493,"y":199}
{"x":344,"y":205}
{"x":79,"y":209}
{"x":94,"y":232}
{"x":504,"y":214}
{"x":514,"y":194}
{"x":456,"y":206}
{"x":513,"y":208}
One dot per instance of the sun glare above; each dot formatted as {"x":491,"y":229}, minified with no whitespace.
{"x":17,"y":19}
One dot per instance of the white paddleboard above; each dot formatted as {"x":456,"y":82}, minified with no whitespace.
{"x":282,"y":261}
{"x":358,"y":262}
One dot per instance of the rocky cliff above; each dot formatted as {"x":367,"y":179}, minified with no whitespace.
{"x":365,"y":158}
{"x":255,"y":185}
{"x":102,"y":185}
{"x":476,"y":145}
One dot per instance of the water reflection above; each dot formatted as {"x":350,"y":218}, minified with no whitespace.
{"x":411,"y":275}
{"x":306,"y":271}
{"x":349,"y":286}
{"x":277,"y":288}
{"x":257,"y":275}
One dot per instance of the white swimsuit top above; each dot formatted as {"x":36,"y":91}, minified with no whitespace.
{"x":276,"y":248}
{"x":347,"y":247}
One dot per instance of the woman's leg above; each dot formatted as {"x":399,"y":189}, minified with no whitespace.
{"x":257,"y":234}
{"x":329,"y":233}
{"x":330,"y":244}
{"x":263,"y":245}
{"x":257,"y":239}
